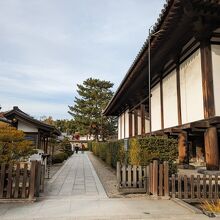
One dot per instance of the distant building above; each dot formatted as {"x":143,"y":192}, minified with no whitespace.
{"x":36,"y":131}
{"x":185,"y":82}
{"x":3,"y":119}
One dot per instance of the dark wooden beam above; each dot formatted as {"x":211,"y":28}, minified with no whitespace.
{"x":178,"y":94}
{"x":130,"y":124}
{"x":207,"y":79}
{"x":135,"y":122}
{"x":215,"y":120}
{"x":124,"y":127}
{"x":120,"y":126}
{"x":200,"y":124}
{"x":142,"y":119}
{"x":161,"y":103}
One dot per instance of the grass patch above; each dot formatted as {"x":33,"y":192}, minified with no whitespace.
{"x":211,"y":206}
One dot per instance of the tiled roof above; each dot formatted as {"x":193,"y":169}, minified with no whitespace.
{"x":2,"y":118}
{"x":27,"y":117}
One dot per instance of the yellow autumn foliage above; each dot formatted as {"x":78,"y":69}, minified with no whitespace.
{"x":13,"y":146}
{"x":134,"y":152}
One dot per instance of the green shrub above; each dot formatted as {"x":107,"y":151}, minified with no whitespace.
{"x":66,"y":147}
{"x":143,"y":150}
{"x":110,"y":152}
{"x":59,"y":157}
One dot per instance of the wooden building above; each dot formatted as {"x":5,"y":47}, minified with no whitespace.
{"x":36,"y":131}
{"x":185,"y":82}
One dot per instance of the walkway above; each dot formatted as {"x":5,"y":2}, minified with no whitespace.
{"x":75,"y":192}
{"x":76,"y":178}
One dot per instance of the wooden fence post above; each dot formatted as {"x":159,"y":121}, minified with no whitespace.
{"x":32,"y":179}
{"x":24,"y":182}
{"x":134,"y":176}
{"x":17,"y":180}
{"x":148,"y":179}
{"x":166,"y":178}
{"x":2,"y":180}
{"x":38,"y":178}
{"x":118,"y":174}
{"x":9,"y":186}
{"x":124,"y":175}
{"x":161,"y":180}
{"x":129,"y":175}
{"x":173,"y":190}
{"x":42,"y":178}
{"x":155,"y":178}
{"x":151,"y":178}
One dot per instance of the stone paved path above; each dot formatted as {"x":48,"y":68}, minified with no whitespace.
{"x":76,"y":178}
{"x":75,"y":192}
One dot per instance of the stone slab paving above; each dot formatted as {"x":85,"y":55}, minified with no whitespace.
{"x":76,"y":193}
{"x":76,"y":178}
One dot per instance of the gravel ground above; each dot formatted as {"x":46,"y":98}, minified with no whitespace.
{"x":107,"y":176}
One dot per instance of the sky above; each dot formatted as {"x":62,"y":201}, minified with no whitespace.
{"x":47,"y":47}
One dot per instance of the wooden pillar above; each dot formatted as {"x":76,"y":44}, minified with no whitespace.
{"x":199,"y":144}
{"x":183,"y":149}
{"x":135,"y":122}
{"x":142,"y":119}
{"x":46,"y":144}
{"x":207,"y":78}
{"x":161,"y":103}
{"x":130,"y":124}
{"x":38,"y":140}
{"x":178,"y":95}
{"x":120,"y":127}
{"x":211,"y":149}
{"x":124,"y":122}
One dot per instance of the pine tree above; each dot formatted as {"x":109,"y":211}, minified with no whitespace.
{"x":93,"y":96}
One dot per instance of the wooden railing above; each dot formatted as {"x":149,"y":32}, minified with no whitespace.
{"x":154,"y":179}
{"x":21,"y":180}
{"x":131,"y":179}
{"x":158,"y":179}
{"x":195,"y":188}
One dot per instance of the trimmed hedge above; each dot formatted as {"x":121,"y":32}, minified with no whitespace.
{"x":110,"y":152}
{"x":59,"y":157}
{"x":141,"y":151}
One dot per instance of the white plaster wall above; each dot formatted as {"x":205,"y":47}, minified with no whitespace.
{"x":126,"y":124}
{"x":155,"y":108}
{"x":132,"y":124}
{"x":119,"y":127}
{"x":147,"y":126}
{"x":139,"y":123}
{"x":122,"y":126}
{"x":216,"y":76}
{"x":191,"y":89}
{"x":170,"y":100}
{"x":26,"y":127}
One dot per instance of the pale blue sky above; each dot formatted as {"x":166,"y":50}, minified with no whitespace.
{"x":48,"y":46}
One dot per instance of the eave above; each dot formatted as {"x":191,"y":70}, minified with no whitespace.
{"x":177,"y":24}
